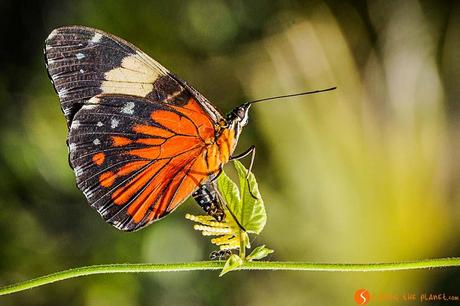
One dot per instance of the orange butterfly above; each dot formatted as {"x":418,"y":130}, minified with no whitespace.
{"x":141,"y":140}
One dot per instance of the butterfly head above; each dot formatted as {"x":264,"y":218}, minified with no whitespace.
{"x":238,"y":118}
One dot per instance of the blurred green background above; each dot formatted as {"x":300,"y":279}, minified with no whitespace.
{"x":369,"y":172}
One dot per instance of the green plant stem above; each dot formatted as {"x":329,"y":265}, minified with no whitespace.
{"x":242,"y":252}
{"x":216,"y":265}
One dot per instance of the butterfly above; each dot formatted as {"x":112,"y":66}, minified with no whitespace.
{"x":140,"y":139}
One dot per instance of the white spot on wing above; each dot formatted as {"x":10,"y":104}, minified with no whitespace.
{"x":104,"y":212}
{"x":79,"y":56}
{"x":82,"y":71}
{"x":117,"y":224}
{"x":128,"y":108}
{"x":94,"y":100}
{"x":135,"y":76}
{"x":89,"y":106}
{"x":91,"y":103}
{"x":72,"y":147}
{"x":96,"y":38}
{"x":88,"y":193}
{"x":99,"y":124}
{"x":75,"y":124}
{"x":78,"y":171}
{"x":54,"y":77}
{"x":114,"y":123}
{"x":63,"y":93}
{"x":170,"y":97}
{"x":96,"y":141}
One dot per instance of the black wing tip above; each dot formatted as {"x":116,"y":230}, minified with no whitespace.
{"x":130,"y":226}
{"x":67,"y":28}
{"x":127,"y":224}
{"x":70,"y":29}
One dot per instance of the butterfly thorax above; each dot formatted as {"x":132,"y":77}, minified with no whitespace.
{"x":220,"y":148}
{"x":226,"y":143}
{"x":228,"y":131}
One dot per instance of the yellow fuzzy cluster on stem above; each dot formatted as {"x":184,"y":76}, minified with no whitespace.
{"x":228,"y":231}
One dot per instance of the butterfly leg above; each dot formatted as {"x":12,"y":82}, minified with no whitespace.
{"x":220,"y":254}
{"x":251,"y":151}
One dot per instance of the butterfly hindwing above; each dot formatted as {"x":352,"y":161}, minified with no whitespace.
{"x":136,"y":160}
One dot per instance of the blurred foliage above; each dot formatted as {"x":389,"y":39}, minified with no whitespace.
{"x":369,"y":172}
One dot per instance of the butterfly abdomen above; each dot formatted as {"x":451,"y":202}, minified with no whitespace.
{"x":206,"y":197}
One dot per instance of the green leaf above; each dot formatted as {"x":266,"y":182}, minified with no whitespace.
{"x":229,"y":190}
{"x":245,"y":238}
{"x":248,"y":209}
{"x":259,"y":253}
{"x":253,"y":216}
{"x":233,"y":262}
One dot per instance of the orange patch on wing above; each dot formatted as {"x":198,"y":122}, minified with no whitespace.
{"x":141,"y":209}
{"x":199,"y":117}
{"x":213,"y":159}
{"x":131,"y":167}
{"x":107,"y":179}
{"x":152,"y":130}
{"x":167,"y":190}
{"x":206,"y":132}
{"x":182,"y":191}
{"x":124,"y":193}
{"x":182,"y":185}
{"x":151,"y":141}
{"x":174,"y":122}
{"x":160,"y":185}
{"x":170,"y":148}
{"x":134,"y":206}
{"x":225,"y":142}
{"x":167,"y":196}
{"x":193,"y":105}
{"x":149,"y":197}
{"x":188,"y":185}
{"x":119,"y":141}
{"x":148,"y":153}
{"x":202,"y":169}
{"x":179,"y":144}
{"x":99,"y":158}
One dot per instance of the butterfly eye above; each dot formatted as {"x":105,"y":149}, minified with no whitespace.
{"x":241,"y":112}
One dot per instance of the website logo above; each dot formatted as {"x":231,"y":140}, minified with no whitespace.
{"x":362,"y":296}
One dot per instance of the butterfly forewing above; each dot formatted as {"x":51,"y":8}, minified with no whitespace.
{"x":138,"y":135}
{"x":83,"y":62}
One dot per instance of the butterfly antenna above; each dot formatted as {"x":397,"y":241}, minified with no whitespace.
{"x":292,"y":95}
